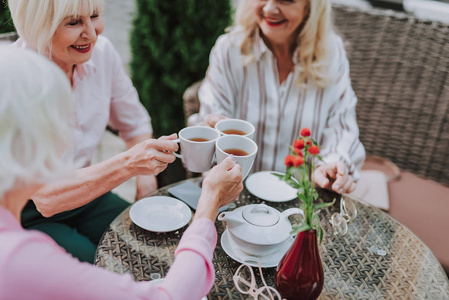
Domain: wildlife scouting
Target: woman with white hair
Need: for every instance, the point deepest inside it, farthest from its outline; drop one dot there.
(75, 212)
(282, 67)
(37, 141)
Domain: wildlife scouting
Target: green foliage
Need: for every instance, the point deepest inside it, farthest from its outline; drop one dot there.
(171, 42)
(6, 24)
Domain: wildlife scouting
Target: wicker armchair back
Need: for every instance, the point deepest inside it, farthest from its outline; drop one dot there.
(400, 73)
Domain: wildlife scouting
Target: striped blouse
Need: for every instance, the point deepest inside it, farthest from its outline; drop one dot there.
(278, 111)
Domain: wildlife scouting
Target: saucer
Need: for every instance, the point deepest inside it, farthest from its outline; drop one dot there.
(160, 213)
(267, 186)
(267, 261)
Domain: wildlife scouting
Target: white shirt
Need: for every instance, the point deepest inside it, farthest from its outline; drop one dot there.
(278, 111)
(104, 94)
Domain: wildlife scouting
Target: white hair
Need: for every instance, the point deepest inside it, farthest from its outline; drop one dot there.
(36, 21)
(36, 107)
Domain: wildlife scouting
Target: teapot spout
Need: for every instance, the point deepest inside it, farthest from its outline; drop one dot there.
(231, 218)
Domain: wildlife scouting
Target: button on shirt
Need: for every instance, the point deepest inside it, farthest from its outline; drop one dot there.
(104, 94)
(251, 91)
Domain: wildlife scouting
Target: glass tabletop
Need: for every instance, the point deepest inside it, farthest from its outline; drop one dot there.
(377, 258)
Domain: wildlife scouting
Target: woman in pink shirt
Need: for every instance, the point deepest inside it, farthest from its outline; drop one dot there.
(75, 212)
(36, 148)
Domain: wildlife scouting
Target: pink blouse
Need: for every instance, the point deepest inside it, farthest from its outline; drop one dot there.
(104, 94)
(33, 266)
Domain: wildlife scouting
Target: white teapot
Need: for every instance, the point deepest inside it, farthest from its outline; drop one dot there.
(259, 229)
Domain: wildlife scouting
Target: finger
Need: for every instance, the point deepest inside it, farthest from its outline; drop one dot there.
(339, 183)
(228, 163)
(163, 145)
(331, 170)
(236, 172)
(164, 157)
(348, 185)
(352, 188)
(341, 168)
(320, 178)
(172, 136)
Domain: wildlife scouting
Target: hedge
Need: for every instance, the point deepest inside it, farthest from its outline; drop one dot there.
(6, 24)
(170, 45)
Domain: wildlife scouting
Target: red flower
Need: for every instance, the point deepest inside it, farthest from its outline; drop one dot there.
(298, 152)
(299, 144)
(309, 142)
(314, 150)
(305, 131)
(293, 161)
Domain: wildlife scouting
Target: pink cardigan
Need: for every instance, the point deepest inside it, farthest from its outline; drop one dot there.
(33, 266)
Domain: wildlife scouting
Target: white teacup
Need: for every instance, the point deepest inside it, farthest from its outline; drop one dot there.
(197, 147)
(235, 127)
(243, 149)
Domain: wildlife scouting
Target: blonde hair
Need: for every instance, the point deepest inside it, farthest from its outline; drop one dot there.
(35, 108)
(313, 40)
(36, 21)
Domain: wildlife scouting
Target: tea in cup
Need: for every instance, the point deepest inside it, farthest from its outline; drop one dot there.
(235, 127)
(243, 149)
(197, 147)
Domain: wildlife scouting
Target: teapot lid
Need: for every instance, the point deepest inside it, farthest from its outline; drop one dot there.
(261, 215)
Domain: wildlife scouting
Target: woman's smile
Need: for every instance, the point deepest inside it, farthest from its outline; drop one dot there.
(274, 23)
(82, 48)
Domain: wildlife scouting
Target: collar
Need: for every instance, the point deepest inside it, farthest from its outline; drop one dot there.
(85, 69)
(260, 48)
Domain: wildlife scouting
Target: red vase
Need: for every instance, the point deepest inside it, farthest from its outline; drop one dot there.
(300, 272)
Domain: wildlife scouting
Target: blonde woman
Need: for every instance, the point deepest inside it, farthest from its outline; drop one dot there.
(35, 109)
(282, 67)
(75, 212)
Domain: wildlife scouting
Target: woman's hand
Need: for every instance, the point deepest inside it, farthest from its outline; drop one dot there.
(213, 119)
(151, 156)
(334, 177)
(222, 185)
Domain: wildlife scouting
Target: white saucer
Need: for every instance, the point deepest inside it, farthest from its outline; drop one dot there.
(267, 261)
(160, 213)
(267, 186)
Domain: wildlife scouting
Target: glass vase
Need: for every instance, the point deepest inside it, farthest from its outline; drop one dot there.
(299, 274)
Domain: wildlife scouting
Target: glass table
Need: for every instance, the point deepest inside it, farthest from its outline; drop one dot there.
(378, 258)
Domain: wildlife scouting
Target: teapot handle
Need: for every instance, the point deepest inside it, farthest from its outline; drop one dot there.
(292, 211)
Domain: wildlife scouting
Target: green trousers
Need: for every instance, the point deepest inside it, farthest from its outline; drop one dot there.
(78, 231)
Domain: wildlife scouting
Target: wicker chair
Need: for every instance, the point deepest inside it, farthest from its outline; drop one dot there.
(400, 73)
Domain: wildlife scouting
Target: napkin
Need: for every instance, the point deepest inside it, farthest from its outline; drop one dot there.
(372, 188)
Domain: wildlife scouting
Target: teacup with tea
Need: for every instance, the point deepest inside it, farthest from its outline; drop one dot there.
(235, 127)
(197, 147)
(243, 148)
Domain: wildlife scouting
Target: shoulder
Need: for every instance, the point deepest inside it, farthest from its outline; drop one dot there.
(229, 42)
(338, 60)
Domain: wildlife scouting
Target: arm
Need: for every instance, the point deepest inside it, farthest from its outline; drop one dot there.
(342, 151)
(220, 187)
(34, 257)
(149, 157)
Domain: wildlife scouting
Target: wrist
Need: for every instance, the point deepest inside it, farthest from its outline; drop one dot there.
(206, 209)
